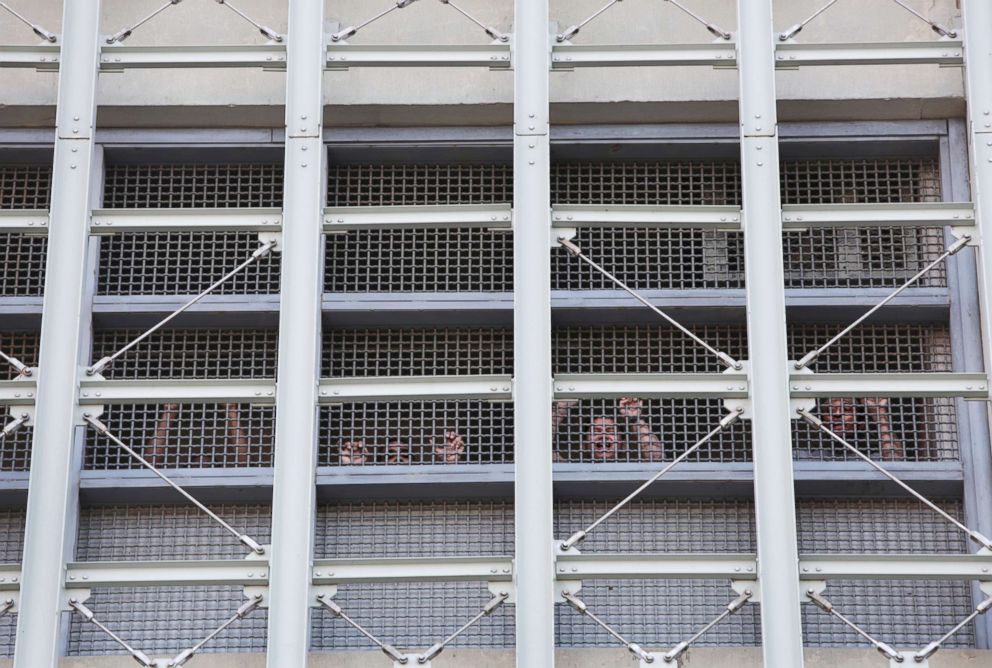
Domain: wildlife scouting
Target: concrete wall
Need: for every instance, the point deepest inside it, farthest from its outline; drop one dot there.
(420, 96)
(594, 658)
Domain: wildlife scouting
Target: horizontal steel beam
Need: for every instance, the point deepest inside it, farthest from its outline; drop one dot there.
(97, 392)
(717, 54)
(726, 218)
(201, 220)
(673, 565)
(382, 217)
(651, 386)
(967, 385)
(10, 577)
(943, 52)
(268, 56)
(895, 566)
(921, 214)
(338, 390)
(437, 569)
(342, 56)
(18, 392)
(26, 222)
(41, 57)
(166, 573)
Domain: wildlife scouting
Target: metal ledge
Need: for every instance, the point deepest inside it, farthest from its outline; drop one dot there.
(96, 392)
(338, 390)
(342, 56)
(921, 214)
(18, 392)
(166, 573)
(116, 58)
(718, 54)
(10, 577)
(41, 57)
(25, 222)
(106, 221)
(435, 569)
(675, 566)
(895, 566)
(944, 52)
(967, 385)
(346, 218)
(724, 218)
(651, 386)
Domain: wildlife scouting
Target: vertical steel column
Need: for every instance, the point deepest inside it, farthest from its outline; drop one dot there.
(50, 495)
(532, 337)
(294, 490)
(774, 496)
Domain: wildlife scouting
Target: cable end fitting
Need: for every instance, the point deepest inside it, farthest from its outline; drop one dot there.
(576, 603)
(637, 651)
(271, 34)
(944, 32)
(331, 606)
(717, 31)
(676, 651)
(731, 418)
(394, 653)
(98, 367)
(182, 658)
(926, 652)
(44, 34)
(730, 362)
(567, 34)
(980, 539)
(888, 652)
(786, 35)
(344, 34)
(809, 417)
(433, 651)
(119, 37)
(95, 423)
(250, 543)
(405, 3)
(570, 247)
(573, 540)
(807, 360)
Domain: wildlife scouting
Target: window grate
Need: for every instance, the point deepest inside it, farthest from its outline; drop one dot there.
(185, 436)
(175, 186)
(191, 353)
(683, 183)
(11, 549)
(417, 352)
(25, 186)
(22, 257)
(420, 184)
(15, 449)
(183, 263)
(416, 432)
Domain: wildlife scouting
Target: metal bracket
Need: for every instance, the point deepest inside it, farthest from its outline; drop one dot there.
(271, 238)
(253, 591)
(969, 232)
(75, 595)
(795, 405)
(24, 411)
(749, 587)
(564, 586)
(739, 405)
(509, 589)
(811, 587)
(559, 233)
(411, 660)
(908, 659)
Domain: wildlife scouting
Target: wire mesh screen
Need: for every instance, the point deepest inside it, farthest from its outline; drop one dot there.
(634, 429)
(15, 449)
(184, 263)
(903, 613)
(416, 432)
(190, 353)
(184, 436)
(22, 257)
(175, 186)
(651, 258)
(414, 615)
(417, 352)
(25, 186)
(11, 547)
(420, 184)
(164, 620)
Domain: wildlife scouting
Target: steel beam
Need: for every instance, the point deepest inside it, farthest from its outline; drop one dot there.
(651, 386)
(968, 385)
(117, 221)
(895, 567)
(51, 491)
(533, 523)
(674, 566)
(10, 577)
(118, 58)
(294, 483)
(944, 52)
(98, 392)
(723, 218)
(166, 573)
(436, 569)
(570, 56)
(916, 214)
(24, 222)
(344, 218)
(341, 56)
(40, 57)
(20, 392)
(775, 512)
(337, 390)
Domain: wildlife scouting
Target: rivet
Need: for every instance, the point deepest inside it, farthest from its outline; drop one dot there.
(807, 387)
(532, 162)
(493, 389)
(251, 574)
(72, 166)
(761, 164)
(530, 127)
(75, 118)
(493, 570)
(530, 115)
(506, 389)
(571, 388)
(574, 569)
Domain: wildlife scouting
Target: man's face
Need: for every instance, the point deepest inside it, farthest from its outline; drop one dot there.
(397, 453)
(839, 415)
(603, 441)
(353, 452)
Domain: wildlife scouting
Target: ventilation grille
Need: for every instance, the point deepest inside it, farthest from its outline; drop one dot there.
(25, 186)
(662, 183)
(11, 547)
(184, 263)
(416, 432)
(417, 352)
(185, 436)
(191, 353)
(22, 257)
(241, 185)
(387, 185)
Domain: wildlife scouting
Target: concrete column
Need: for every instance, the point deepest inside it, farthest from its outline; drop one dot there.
(774, 496)
(532, 338)
(294, 491)
(52, 491)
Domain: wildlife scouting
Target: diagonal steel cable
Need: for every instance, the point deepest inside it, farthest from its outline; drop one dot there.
(730, 609)
(89, 616)
(387, 649)
(575, 251)
(572, 31)
(246, 609)
(714, 29)
(36, 28)
(102, 364)
(941, 30)
(579, 606)
(19, 366)
(265, 30)
(6, 606)
(245, 539)
(489, 30)
(816, 422)
(579, 536)
(13, 426)
(789, 33)
(345, 33)
(932, 648)
(828, 607)
(489, 609)
(812, 355)
(124, 33)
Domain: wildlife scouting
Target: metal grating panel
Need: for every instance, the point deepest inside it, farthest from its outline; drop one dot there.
(422, 184)
(417, 352)
(882, 181)
(25, 186)
(15, 450)
(685, 183)
(416, 432)
(22, 257)
(193, 185)
(11, 548)
(185, 436)
(163, 620)
(183, 263)
(191, 353)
